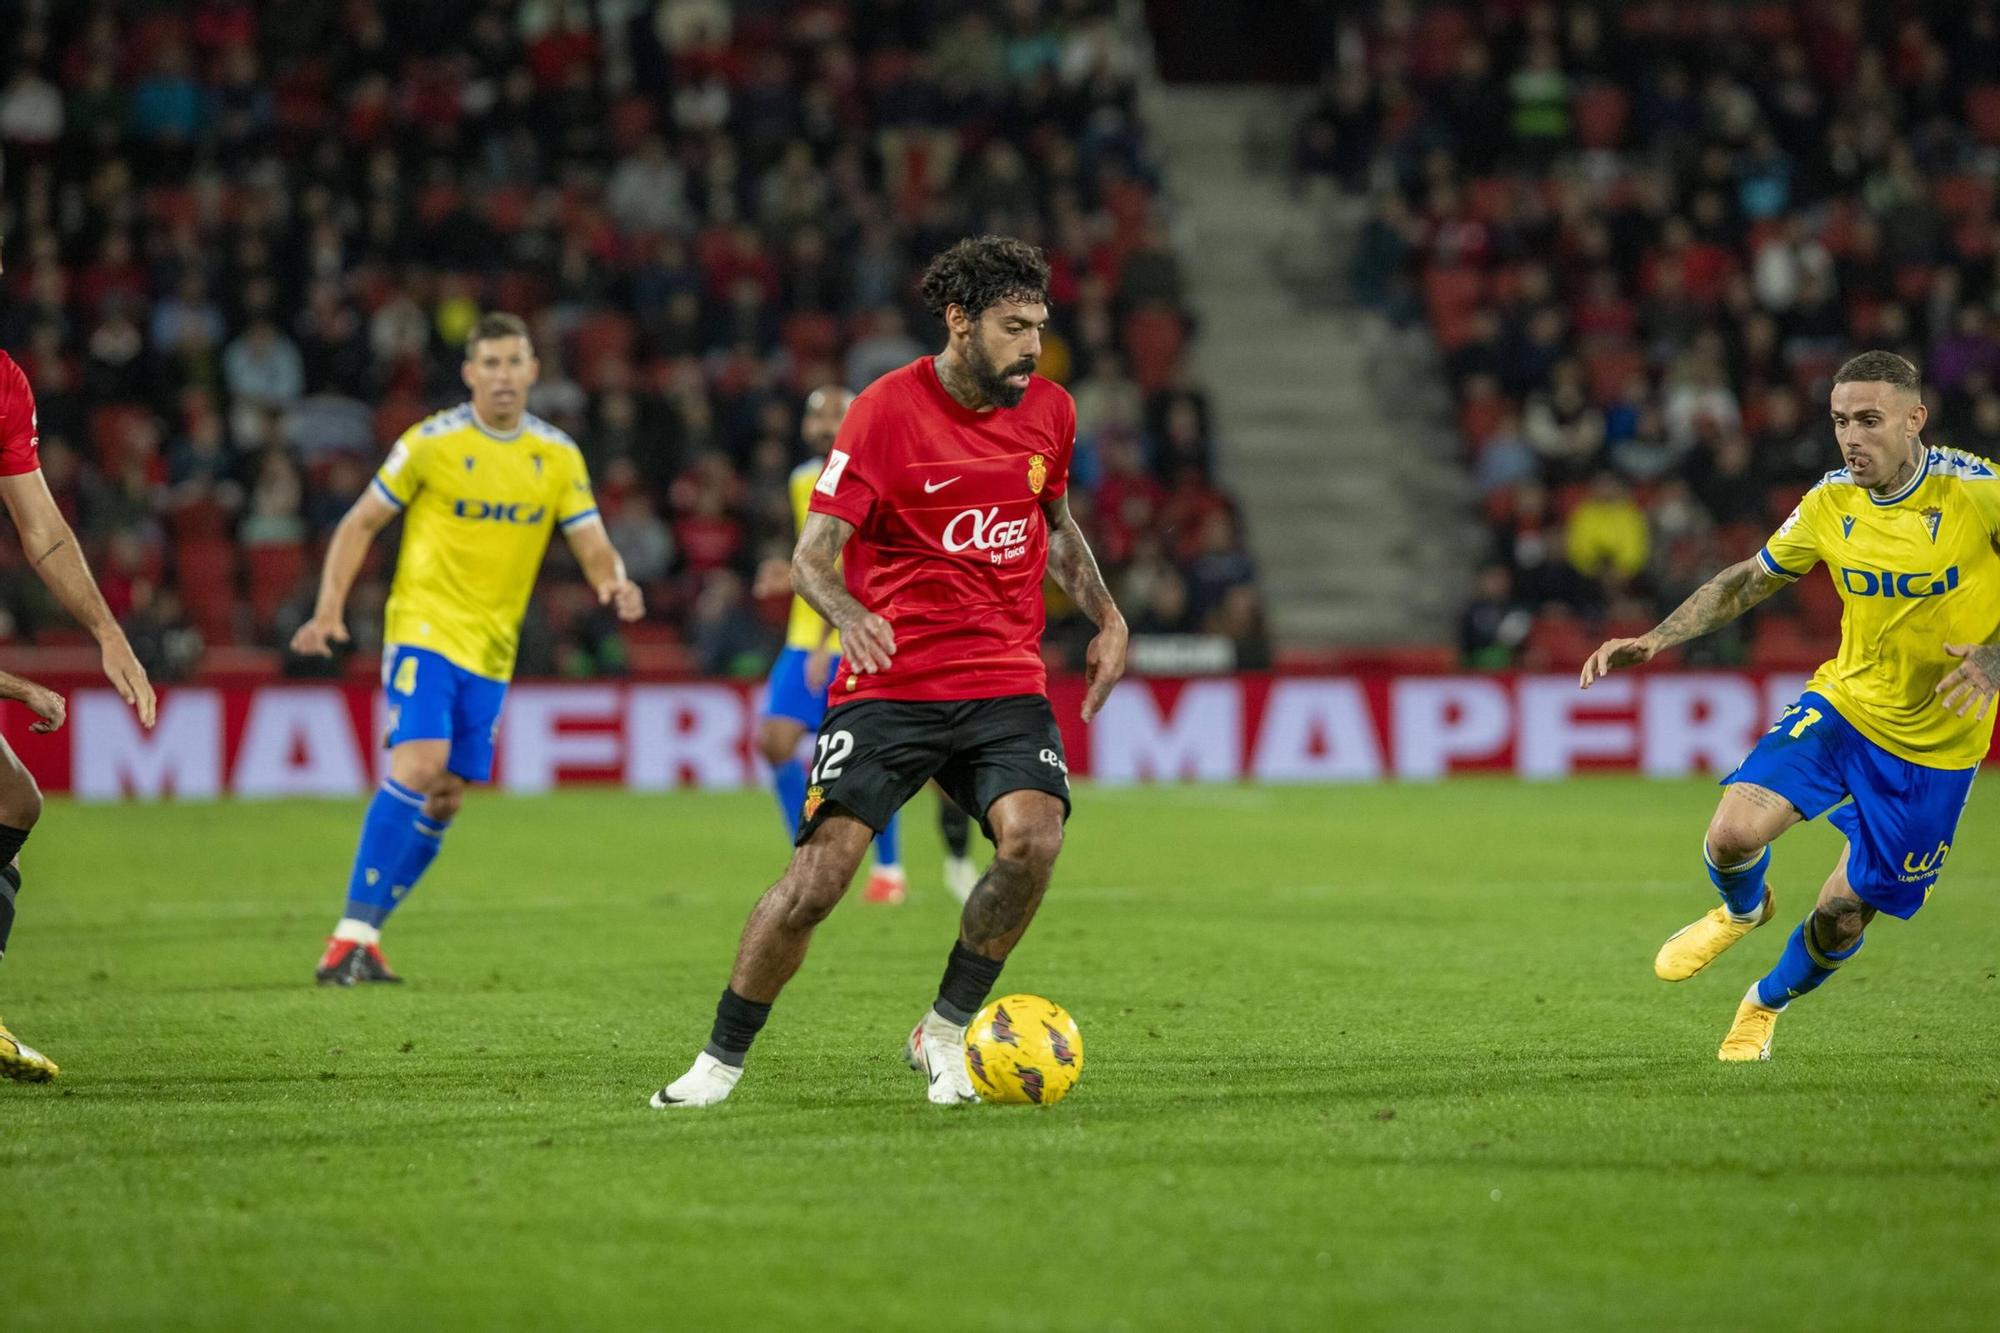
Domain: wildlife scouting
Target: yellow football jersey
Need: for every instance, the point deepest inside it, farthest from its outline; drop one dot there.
(803, 630)
(478, 510)
(1915, 571)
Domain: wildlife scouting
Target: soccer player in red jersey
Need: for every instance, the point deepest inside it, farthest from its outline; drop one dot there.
(52, 549)
(944, 501)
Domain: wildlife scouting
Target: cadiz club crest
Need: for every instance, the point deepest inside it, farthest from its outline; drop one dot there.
(1038, 472)
(814, 795)
(1932, 517)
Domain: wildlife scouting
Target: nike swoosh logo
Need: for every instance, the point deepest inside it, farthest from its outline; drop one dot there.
(932, 489)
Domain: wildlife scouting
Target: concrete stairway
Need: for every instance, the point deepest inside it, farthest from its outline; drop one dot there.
(1359, 512)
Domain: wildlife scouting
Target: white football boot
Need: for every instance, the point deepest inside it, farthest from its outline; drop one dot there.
(961, 876)
(707, 1083)
(937, 1051)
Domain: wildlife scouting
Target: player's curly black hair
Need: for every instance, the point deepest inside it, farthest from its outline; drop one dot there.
(982, 271)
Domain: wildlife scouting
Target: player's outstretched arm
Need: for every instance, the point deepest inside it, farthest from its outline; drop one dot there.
(57, 557)
(1709, 607)
(47, 706)
(344, 554)
(605, 569)
(867, 641)
(1975, 680)
(1075, 571)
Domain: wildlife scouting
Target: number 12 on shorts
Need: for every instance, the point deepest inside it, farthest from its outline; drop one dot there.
(833, 750)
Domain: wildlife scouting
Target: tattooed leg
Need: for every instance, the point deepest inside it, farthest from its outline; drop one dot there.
(1028, 832)
(1748, 820)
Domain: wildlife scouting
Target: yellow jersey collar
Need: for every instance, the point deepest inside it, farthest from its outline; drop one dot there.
(491, 433)
(1909, 488)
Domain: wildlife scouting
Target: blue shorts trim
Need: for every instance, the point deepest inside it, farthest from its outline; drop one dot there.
(432, 698)
(1901, 818)
(785, 692)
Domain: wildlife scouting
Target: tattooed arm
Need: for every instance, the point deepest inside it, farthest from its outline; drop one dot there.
(52, 549)
(1975, 680)
(1711, 606)
(866, 639)
(1074, 568)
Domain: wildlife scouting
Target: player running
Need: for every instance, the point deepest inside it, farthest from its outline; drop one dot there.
(51, 547)
(795, 696)
(949, 476)
(1908, 534)
(482, 485)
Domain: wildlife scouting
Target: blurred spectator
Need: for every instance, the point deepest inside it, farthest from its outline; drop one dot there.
(241, 260)
(729, 639)
(1607, 539)
(1493, 624)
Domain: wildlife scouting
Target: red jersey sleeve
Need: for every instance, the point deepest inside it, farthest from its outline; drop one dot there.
(20, 449)
(1058, 479)
(846, 487)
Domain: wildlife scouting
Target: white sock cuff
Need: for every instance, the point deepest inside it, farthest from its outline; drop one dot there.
(350, 928)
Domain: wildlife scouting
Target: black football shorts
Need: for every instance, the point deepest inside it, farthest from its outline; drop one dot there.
(873, 756)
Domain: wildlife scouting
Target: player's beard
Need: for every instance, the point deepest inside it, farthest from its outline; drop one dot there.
(992, 379)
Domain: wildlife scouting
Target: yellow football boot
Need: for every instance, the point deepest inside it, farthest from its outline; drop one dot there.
(23, 1063)
(1693, 947)
(1750, 1035)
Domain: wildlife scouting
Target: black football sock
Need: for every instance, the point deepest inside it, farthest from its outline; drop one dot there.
(10, 884)
(11, 839)
(956, 827)
(737, 1023)
(968, 980)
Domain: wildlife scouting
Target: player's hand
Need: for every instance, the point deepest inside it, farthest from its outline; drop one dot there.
(819, 666)
(867, 642)
(1103, 665)
(1974, 680)
(47, 706)
(774, 578)
(122, 669)
(624, 597)
(317, 636)
(1614, 654)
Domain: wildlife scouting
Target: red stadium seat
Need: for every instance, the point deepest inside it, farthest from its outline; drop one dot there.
(110, 428)
(1607, 366)
(1959, 197)
(275, 571)
(1153, 338)
(1782, 500)
(205, 573)
(1558, 641)
(1453, 291)
(1786, 643)
(1599, 111)
(1820, 606)
(1982, 112)
(810, 336)
(1491, 198)
(198, 521)
(1770, 24)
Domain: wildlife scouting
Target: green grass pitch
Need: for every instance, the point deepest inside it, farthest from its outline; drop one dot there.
(1356, 1058)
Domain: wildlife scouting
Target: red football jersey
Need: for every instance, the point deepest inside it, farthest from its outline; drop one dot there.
(950, 546)
(20, 449)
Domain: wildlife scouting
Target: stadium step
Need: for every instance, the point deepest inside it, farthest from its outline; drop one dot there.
(1356, 504)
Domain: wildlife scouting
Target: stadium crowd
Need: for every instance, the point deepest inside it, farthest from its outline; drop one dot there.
(1643, 236)
(244, 242)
